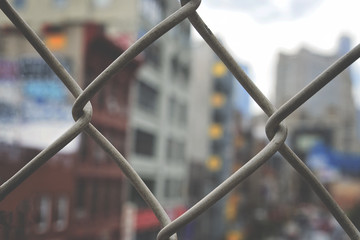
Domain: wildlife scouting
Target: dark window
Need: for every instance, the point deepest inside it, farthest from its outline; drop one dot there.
(175, 65)
(144, 143)
(217, 147)
(94, 198)
(185, 74)
(84, 146)
(147, 97)
(107, 202)
(223, 85)
(80, 195)
(135, 196)
(219, 115)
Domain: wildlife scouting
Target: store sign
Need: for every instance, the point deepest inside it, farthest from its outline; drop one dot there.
(33, 102)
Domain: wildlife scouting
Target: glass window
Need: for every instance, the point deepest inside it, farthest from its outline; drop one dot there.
(177, 112)
(219, 116)
(175, 150)
(169, 149)
(107, 203)
(172, 109)
(61, 213)
(43, 220)
(182, 118)
(185, 73)
(94, 198)
(175, 65)
(147, 97)
(80, 198)
(144, 143)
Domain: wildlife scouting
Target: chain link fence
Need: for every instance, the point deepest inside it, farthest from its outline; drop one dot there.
(275, 129)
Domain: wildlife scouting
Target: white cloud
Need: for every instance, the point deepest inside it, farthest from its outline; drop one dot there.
(258, 43)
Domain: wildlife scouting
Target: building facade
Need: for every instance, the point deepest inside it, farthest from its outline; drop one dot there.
(80, 192)
(217, 122)
(157, 130)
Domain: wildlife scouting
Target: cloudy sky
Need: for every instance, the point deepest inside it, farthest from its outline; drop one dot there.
(255, 31)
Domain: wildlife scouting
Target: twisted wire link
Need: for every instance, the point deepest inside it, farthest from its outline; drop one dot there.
(225, 187)
(275, 129)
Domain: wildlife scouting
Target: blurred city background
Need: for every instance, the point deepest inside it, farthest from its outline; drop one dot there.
(180, 118)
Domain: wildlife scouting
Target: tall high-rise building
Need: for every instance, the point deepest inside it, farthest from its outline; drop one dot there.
(328, 116)
(215, 113)
(330, 113)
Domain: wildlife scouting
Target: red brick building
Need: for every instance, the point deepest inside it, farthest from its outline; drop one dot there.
(75, 195)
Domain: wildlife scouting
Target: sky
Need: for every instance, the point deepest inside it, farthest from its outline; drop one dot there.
(255, 31)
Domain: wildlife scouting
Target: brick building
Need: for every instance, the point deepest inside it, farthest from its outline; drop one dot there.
(79, 193)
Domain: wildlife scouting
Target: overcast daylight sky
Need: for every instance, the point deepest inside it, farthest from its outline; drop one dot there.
(255, 31)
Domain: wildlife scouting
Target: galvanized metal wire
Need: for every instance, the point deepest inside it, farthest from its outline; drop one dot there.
(275, 129)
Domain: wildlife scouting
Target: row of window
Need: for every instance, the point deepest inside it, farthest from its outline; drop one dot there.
(145, 144)
(51, 212)
(41, 214)
(174, 188)
(59, 215)
(148, 100)
(97, 197)
(94, 152)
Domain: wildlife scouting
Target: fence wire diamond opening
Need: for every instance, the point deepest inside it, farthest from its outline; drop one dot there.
(275, 129)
